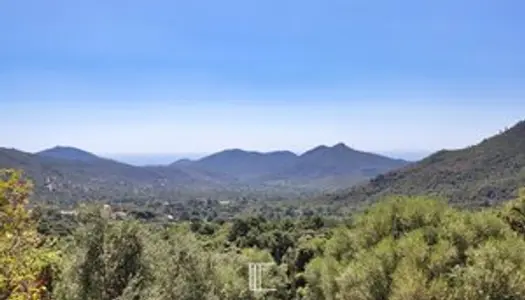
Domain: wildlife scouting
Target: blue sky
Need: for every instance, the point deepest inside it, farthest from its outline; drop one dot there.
(165, 76)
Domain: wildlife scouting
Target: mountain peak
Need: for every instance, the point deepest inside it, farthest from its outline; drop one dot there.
(234, 151)
(69, 153)
(62, 147)
(340, 146)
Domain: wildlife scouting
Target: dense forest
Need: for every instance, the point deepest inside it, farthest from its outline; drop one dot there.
(400, 248)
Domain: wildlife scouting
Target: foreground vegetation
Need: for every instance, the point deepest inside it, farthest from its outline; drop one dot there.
(400, 248)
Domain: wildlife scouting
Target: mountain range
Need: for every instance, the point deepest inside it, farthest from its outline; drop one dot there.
(68, 172)
(486, 173)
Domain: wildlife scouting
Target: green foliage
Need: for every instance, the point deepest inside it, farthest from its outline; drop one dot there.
(494, 270)
(182, 270)
(514, 213)
(401, 248)
(105, 261)
(23, 254)
(415, 248)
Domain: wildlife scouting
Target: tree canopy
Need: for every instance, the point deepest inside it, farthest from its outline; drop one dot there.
(403, 247)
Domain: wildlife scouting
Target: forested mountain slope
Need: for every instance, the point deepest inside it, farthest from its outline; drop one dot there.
(488, 172)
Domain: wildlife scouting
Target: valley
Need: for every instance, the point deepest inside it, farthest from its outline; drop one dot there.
(70, 174)
(330, 181)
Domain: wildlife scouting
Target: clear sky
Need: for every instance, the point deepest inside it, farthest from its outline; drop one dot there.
(169, 76)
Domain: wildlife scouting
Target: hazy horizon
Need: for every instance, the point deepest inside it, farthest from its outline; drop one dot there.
(141, 159)
(163, 159)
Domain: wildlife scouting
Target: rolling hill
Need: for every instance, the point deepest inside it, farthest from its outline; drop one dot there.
(339, 161)
(322, 167)
(69, 153)
(74, 174)
(244, 164)
(70, 173)
(483, 174)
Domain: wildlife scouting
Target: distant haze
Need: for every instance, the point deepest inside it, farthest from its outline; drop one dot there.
(164, 159)
(408, 155)
(152, 159)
